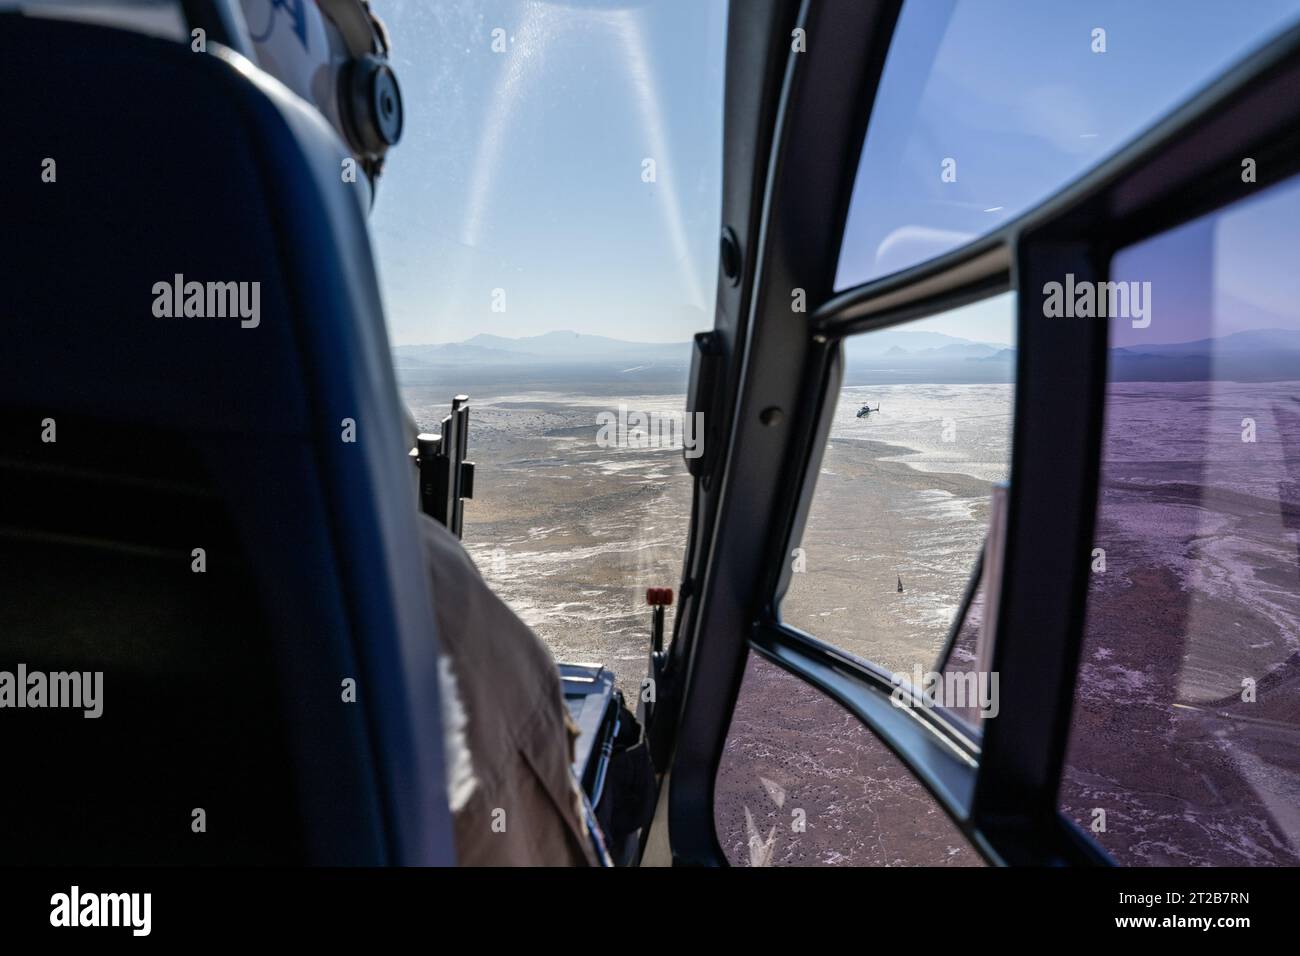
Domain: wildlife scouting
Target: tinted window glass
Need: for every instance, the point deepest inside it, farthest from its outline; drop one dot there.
(1186, 737)
(803, 783)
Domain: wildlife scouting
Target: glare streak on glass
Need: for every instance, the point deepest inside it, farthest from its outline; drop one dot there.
(523, 166)
(547, 242)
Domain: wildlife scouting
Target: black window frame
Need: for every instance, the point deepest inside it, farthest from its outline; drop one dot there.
(1002, 791)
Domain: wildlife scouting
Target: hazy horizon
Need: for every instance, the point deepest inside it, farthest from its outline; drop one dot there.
(1189, 336)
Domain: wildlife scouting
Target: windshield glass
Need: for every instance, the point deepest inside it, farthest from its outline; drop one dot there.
(546, 235)
(566, 153)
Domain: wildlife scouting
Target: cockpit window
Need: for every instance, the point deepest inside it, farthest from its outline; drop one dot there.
(547, 241)
(560, 169)
(985, 109)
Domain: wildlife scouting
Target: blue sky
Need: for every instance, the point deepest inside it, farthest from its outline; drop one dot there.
(522, 170)
(1014, 93)
(1231, 271)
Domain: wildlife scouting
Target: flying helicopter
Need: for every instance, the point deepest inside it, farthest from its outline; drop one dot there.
(866, 410)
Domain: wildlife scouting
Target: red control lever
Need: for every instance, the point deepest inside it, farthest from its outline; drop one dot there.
(658, 597)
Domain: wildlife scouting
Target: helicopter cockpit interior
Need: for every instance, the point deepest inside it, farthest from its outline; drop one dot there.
(262, 315)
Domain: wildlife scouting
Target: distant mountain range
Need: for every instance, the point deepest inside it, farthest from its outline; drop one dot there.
(907, 341)
(573, 348)
(1262, 355)
(896, 356)
(888, 356)
(553, 348)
